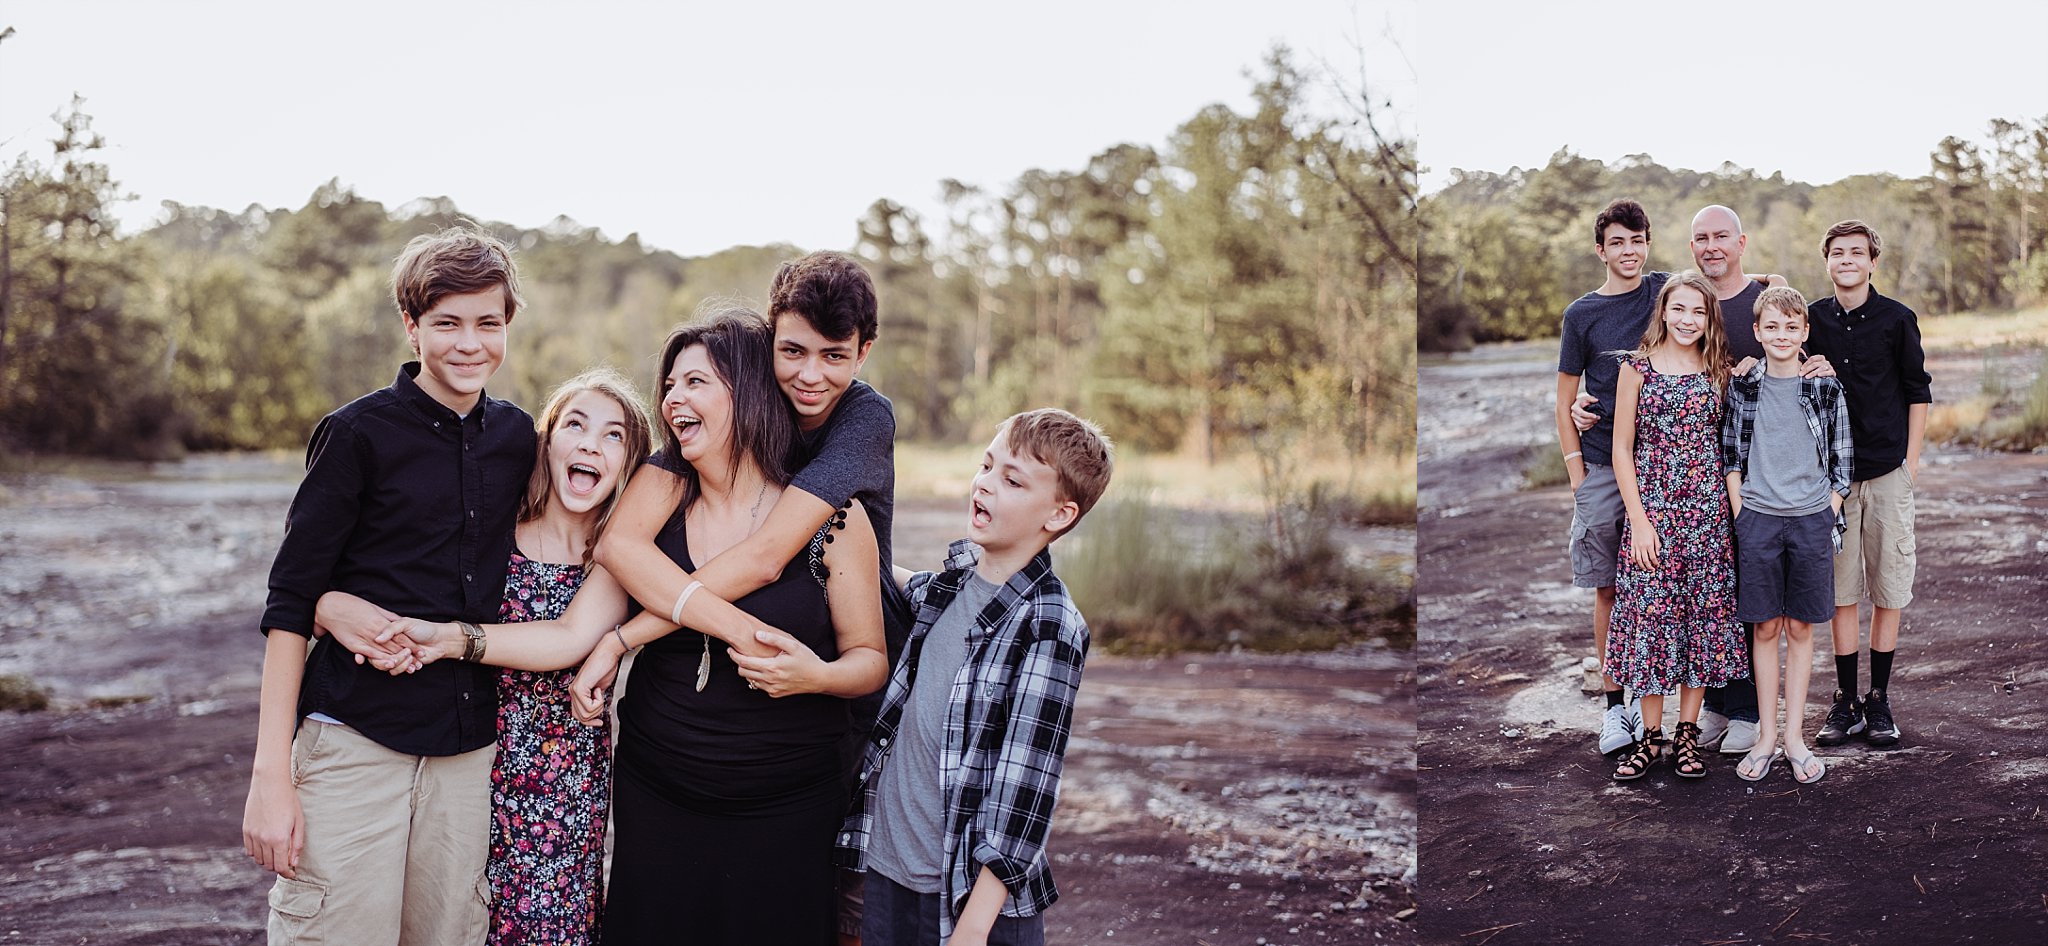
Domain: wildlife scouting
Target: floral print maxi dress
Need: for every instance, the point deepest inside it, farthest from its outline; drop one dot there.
(1675, 625)
(550, 787)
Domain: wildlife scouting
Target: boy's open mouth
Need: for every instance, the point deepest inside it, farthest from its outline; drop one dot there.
(978, 513)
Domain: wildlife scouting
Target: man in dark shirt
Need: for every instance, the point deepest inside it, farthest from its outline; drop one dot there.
(374, 813)
(1874, 342)
(1729, 717)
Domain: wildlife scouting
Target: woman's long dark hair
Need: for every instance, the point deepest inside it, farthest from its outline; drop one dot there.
(739, 343)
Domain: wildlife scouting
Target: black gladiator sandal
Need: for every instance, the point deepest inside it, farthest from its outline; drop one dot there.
(1686, 759)
(1640, 755)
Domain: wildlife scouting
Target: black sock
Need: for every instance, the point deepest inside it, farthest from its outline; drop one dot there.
(1845, 673)
(1881, 668)
(1614, 697)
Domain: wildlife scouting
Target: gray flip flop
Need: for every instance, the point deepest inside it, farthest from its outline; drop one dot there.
(1798, 766)
(1747, 760)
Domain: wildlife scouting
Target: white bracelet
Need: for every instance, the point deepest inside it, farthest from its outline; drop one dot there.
(1575, 453)
(675, 617)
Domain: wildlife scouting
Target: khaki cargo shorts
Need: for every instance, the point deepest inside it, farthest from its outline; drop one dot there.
(1877, 557)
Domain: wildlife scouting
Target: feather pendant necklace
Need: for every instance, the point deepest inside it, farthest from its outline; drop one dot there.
(753, 523)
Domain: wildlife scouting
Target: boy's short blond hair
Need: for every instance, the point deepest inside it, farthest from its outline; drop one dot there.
(456, 261)
(1076, 449)
(1782, 298)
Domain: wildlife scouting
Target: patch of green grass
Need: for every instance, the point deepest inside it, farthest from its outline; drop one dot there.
(1155, 579)
(1544, 467)
(21, 693)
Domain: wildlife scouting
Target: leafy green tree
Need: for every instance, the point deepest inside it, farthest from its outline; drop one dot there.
(75, 364)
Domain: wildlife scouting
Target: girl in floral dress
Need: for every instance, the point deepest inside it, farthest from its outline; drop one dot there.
(551, 783)
(1674, 621)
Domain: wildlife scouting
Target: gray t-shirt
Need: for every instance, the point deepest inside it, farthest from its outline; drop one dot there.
(908, 846)
(1738, 318)
(1785, 477)
(1596, 326)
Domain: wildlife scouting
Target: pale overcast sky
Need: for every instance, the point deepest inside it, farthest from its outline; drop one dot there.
(1817, 90)
(700, 126)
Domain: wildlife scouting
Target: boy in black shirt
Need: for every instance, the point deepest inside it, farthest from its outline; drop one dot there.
(375, 812)
(1874, 343)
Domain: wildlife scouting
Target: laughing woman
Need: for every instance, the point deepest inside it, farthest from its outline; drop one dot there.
(729, 786)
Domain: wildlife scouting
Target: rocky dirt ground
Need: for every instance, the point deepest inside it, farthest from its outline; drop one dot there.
(1524, 838)
(1231, 798)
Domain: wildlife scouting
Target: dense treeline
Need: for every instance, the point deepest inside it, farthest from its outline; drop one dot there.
(1254, 275)
(1502, 254)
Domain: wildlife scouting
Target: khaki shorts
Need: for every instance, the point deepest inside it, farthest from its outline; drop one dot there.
(1877, 557)
(395, 844)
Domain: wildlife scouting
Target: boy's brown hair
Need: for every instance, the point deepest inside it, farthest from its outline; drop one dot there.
(830, 290)
(1624, 211)
(1782, 298)
(1851, 228)
(1076, 449)
(453, 262)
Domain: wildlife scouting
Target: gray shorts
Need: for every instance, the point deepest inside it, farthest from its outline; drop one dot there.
(1785, 566)
(1597, 515)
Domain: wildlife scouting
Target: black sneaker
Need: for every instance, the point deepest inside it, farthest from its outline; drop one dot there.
(1877, 709)
(1845, 719)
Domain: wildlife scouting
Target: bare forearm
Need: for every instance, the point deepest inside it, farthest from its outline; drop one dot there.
(1568, 432)
(983, 905)
(1916, 429)
(857, 672)
(277, 713)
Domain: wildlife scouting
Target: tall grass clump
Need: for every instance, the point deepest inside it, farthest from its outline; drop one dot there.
(2029, 430)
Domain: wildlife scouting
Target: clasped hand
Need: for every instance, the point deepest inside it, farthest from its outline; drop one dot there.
(792, 668)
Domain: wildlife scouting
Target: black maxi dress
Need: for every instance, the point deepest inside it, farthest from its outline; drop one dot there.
(725, 801)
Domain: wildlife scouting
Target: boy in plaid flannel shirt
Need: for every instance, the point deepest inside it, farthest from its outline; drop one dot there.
(1785, 447)
(963, 767)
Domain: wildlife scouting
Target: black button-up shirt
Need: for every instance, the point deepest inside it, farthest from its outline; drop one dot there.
(1876, 353)
(412, 508)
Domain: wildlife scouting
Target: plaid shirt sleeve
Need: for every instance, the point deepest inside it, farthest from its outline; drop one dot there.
(1844, 461)
(1009, 829)
(1734, 429)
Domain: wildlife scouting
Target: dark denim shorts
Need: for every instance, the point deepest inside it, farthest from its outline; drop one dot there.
(1786, 567)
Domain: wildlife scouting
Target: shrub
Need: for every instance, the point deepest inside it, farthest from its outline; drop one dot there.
(22, 693)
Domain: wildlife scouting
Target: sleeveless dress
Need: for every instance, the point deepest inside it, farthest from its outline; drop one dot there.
(1675, 625)
(726, 800)
(549, 786)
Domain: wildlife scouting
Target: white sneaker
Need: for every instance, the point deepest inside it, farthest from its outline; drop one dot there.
(1714, 726)
(1620, 726)
(1740, 739)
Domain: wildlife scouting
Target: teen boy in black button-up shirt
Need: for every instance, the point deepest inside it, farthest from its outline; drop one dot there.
(1874, 344)
(374, 810)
